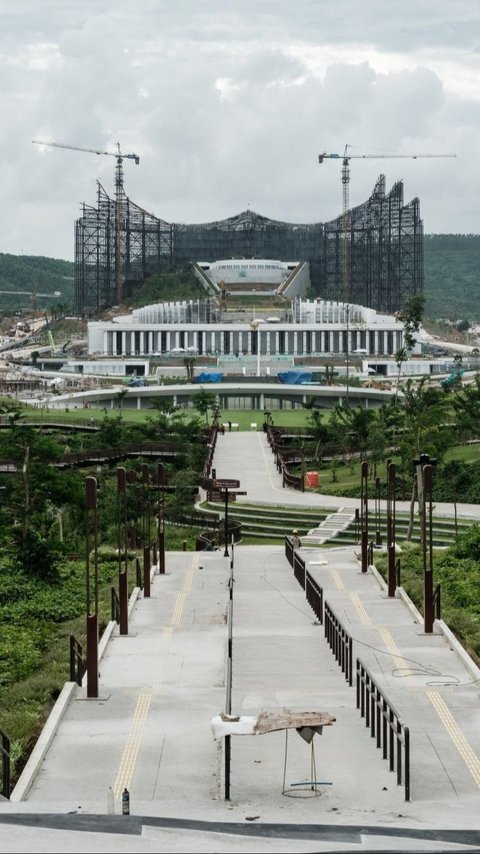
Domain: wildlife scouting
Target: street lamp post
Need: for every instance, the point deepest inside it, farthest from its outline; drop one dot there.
(391, 486)
(92, 616)
(226, 552)
(364, 515)
(424, 465)
(161, 518)
(122, 548)
(254, 324)
(378, 534)
(147, 508)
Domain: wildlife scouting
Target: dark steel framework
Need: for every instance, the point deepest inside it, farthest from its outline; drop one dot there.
(385, 237)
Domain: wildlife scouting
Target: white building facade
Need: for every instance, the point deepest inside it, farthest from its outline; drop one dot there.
(313, 328)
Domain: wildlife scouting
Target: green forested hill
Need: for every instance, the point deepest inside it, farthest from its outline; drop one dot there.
(452, 276)
(36, 275)
(452, 280)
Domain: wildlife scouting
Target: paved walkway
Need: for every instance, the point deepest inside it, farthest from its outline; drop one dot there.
(160, 686)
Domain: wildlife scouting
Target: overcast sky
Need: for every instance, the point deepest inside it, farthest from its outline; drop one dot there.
(228, 104)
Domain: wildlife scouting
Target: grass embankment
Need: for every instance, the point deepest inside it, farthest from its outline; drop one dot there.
(457, 570)
(37, 619)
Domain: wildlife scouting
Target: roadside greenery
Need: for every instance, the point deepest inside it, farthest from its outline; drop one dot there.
(42, 518)
(457, 570)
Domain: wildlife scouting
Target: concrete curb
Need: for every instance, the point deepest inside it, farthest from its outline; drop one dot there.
(44, 741)
(39, 751)
(439, 625)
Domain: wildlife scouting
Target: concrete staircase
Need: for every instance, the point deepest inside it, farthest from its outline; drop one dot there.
(329, 528)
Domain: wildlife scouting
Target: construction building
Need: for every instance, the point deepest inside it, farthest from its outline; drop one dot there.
(385, 249)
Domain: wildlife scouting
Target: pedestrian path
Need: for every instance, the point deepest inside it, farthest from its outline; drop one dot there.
(248, 457)
(150, 732)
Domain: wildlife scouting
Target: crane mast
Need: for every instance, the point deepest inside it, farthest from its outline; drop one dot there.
(119, 203)
(345, 158)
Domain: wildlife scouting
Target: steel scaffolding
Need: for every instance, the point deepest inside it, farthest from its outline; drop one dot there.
(386, 249)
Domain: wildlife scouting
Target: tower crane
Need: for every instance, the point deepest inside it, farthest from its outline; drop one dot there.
(345, 158)
(119, 199)
(33, 295)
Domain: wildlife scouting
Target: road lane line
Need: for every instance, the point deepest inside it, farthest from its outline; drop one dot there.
(468, 755)
(130, 753)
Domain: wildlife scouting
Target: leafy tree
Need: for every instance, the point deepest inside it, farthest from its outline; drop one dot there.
(320, 432)
(189, 362)
(203, 401)
(411, 317)
(425, 428)
(466, 406)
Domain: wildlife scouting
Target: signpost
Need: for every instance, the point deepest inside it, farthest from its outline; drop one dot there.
(224, 488)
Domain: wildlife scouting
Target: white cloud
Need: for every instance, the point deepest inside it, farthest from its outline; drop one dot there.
(228, 104)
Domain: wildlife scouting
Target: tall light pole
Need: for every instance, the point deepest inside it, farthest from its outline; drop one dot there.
(226, 552)
(161, 519)
(92, 615)
(254, 324)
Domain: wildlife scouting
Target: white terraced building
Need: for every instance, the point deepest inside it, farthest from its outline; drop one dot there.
(310, 327)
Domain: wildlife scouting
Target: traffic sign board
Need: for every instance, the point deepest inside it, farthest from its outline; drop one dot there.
(222, 483)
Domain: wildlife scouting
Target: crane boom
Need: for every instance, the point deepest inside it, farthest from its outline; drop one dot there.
(345, 158)
(321, 157)
(134, 157)
(119, 203)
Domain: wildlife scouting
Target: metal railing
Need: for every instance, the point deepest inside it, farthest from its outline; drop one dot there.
(77, 663)
(229, 681)
(314, 594)
(386, 726)
(5, 754)
(299, 569)
(437, 603)
(295, 561)
(340, 642)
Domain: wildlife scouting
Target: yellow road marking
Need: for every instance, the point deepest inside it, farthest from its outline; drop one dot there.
(267, 467)
(469, 757)
(337, 580)
(360, 608)
(395, 652)
(180, 600)
(130, 753)
(177, 611)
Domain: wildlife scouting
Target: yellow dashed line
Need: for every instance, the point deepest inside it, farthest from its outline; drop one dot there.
(395, 652)
(469, 757)
(267, 467)
(360, 608)
(130, 753)
(189, 579)
(337, 580)
(177, 611)
(129, 758)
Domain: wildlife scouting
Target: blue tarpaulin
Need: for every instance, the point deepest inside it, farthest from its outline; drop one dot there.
(209, 378)
(295, 377)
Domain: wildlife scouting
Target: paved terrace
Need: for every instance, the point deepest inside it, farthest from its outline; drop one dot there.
(160, 686)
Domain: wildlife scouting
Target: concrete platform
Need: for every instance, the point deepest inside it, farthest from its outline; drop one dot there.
(149, 730)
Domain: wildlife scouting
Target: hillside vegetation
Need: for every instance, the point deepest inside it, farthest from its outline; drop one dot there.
(452, 276)
(452, 280)
(32, 273)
